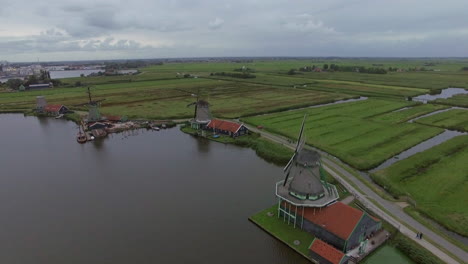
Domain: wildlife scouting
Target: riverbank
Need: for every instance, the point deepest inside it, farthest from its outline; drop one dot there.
(268, 150)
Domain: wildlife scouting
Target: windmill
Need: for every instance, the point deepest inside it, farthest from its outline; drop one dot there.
(93, 108)
(308, 178)
(201, 114)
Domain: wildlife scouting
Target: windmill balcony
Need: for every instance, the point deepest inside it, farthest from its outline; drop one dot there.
(283, 192)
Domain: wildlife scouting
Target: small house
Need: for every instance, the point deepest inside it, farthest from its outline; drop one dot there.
(232, 129)
(326, 254)
(55, 110)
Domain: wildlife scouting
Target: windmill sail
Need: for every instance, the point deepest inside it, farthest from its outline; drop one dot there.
(299, 147)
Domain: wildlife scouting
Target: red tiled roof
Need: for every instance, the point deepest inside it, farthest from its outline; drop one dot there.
(224, 125)
(326, 251)
(338, 218)
(52, 108)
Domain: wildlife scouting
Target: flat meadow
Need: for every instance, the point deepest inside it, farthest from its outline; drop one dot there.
(348, 130)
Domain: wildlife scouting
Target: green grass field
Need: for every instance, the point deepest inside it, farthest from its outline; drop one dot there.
(437, 180)
(282, 231)
(387, 254)
(456, 119)
(403, 115)
(348, 130)
(164, 99)
(457, 100)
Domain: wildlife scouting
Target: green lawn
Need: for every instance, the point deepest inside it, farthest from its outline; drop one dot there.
(456, 119)
(387, 254)
(349, 132)
(437, 180)
(164, 99)
(282, 231)
(406, 114)
(457, 100)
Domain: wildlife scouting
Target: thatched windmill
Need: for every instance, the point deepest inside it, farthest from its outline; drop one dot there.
(305, 168)
(201, 114)
(93, 108)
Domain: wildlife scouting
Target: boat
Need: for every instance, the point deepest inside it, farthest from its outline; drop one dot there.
(163, 126)
(59, 116)
(81, 136)
(155, 128)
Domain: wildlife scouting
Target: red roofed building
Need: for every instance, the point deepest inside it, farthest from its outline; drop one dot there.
(326, 254)
(227, 127)
(55, 109)
(338, 224)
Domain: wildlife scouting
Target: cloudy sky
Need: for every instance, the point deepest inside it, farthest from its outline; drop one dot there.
(51, 30)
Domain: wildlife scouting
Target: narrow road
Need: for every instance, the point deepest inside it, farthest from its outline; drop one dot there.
(398, 217)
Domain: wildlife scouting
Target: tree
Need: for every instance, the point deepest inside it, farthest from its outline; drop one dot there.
(82, 75)
(292, 71)
(325, 66)
(78, 83)
(14, 83)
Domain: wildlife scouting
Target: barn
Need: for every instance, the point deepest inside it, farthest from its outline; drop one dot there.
(55, 110)
(232, 129)
(338, 224)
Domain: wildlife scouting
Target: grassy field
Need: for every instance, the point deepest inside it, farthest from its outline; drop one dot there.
(405, 114)
(282, 231)
(348, 130)
(163, 99)
(387, 255)
(457, 100)
(456, 119)
(436, 180)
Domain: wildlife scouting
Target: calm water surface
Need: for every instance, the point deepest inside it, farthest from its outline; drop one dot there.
(155, 197)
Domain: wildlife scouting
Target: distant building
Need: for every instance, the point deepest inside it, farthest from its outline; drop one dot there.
(40, 86)
(55, 110)
(227, 127)
(41, 103)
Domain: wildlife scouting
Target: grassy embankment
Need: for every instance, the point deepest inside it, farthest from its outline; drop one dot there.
(348, 131)
(456, 119)
(436, 180)
(264, 148)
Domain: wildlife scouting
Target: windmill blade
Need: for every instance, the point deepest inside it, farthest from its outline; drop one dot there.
(286, 178)
(289, 163)
(300, 142)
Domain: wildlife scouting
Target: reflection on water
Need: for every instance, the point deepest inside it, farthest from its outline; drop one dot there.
(425, 145)
(142, 197)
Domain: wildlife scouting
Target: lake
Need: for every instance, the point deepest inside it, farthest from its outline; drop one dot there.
(71, 74)
(141, 197)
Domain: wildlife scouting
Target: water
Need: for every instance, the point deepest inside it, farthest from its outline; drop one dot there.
(425, 145)
(153, 197)
(434, 113)
(444, 94)
(71, 74)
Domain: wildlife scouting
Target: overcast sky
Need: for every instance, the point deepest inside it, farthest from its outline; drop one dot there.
(51, 30)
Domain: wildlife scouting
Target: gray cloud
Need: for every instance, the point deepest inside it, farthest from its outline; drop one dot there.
(177, 28)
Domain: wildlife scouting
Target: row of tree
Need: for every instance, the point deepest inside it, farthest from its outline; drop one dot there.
(43, 77)
(243, 75)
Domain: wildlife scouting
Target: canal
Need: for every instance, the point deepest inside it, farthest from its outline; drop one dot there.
(142, 197)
